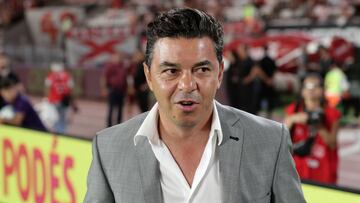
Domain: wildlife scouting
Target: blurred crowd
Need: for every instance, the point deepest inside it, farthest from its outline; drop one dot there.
(253, 16)
(51, 115)
(318, 11)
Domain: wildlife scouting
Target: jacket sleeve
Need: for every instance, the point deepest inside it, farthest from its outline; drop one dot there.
(98, 189)
(286, 184)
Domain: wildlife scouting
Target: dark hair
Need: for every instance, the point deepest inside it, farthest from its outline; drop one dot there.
(184, 22)
(300, 100)
(313, 75)
(7, 82)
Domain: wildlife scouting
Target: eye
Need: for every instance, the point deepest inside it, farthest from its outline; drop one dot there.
(203, 70)
(170, 71)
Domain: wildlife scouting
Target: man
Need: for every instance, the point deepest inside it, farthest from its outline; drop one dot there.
(140, 84)
(248, 94)
(113, 85)
(266, 75)
(314, 127)
(59, 85)
(5, 72)
(189, 148)
(22, 112)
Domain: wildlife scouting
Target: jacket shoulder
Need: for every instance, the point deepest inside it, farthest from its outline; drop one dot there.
(121, 133)
(248, 120)
(256, 128)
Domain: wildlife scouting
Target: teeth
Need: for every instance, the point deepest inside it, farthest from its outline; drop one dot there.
(186, 103)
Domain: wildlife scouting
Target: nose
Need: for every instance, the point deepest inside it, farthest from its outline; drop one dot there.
(187, 82)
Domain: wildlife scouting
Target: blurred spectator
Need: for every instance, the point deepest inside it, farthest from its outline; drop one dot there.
(130, 96)
(245, 90)
(233, 78)
(295, 9)
(18, 110)
(343, 11)
(319, 11)
(322, 12)
(141, 87)
(322, 66)
(5, 72)
(313, 127)
(114, 85)
(240, 80)
(266, 75)
(325, 61)
(302, 61)
(336, 85)
(59, 85)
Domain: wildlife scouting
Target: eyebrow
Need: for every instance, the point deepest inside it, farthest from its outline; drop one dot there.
(203, 63)
(168, 64)
(176, 65)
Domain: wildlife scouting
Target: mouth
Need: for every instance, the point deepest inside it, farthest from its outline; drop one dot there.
(187, 102)
(187, 105)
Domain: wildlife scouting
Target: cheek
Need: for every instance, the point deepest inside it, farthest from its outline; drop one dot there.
(164, 86)
(210, 87)
(303, 93)
(164, 89)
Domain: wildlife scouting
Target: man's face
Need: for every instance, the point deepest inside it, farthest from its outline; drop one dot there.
(184, 76)
(9, 94)
(312, 89)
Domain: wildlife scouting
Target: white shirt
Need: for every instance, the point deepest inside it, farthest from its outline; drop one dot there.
(206, 186)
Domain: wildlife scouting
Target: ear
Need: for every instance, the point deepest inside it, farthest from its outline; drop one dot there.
(147, 75)
(221, 74)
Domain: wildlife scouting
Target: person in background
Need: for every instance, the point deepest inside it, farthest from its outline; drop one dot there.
(141, 87)
(20, 111)
(233, 79)
(266, 75)
(59, 85)
(314, 126)
(130, 107)
(247, 77)
(325, 61)
(113, 85)
(257, 80)
(6, 72)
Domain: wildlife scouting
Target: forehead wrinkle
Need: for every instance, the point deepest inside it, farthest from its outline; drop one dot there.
(203, 63)
(168, 50)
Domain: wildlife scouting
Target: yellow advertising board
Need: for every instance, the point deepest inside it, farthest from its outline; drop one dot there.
(318, 194)
(37, 167)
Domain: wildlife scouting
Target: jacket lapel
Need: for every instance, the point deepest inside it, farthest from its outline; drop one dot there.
(149, 172)
(230, 152)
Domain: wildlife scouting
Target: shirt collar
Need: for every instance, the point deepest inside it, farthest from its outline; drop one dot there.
(149, 126)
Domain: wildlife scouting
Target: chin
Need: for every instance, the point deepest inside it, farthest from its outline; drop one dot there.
(186, 123)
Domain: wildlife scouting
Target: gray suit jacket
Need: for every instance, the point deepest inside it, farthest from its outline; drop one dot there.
(255, 163)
